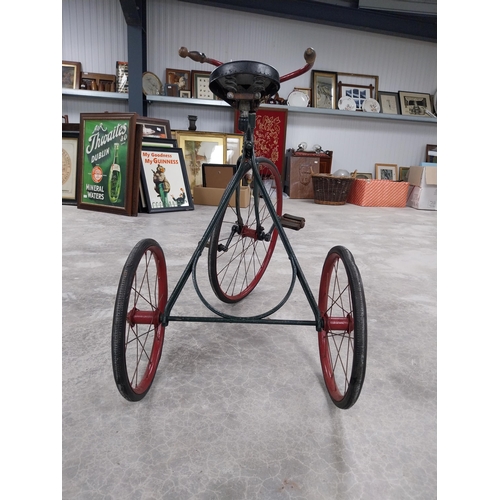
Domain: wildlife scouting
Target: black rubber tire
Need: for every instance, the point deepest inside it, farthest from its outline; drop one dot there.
(137, 333)
(342, 346)
(235, 273)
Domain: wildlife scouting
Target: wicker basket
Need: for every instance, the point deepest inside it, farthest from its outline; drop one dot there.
(331, 190)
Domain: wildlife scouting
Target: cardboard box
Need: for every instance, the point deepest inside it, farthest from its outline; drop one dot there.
(378, 193)
(211, 196)
(422, 194)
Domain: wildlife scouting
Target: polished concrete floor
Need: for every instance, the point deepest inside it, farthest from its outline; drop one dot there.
(241, 412)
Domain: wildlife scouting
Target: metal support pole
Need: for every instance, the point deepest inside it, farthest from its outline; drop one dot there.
(134, 12)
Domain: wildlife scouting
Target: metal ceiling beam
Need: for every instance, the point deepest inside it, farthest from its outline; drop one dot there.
(388, 23)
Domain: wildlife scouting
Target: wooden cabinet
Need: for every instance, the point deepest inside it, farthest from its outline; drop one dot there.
(300, 165)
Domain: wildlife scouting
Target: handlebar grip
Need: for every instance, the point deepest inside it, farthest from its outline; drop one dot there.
(194, 55)
(310, 56)
(197, 56)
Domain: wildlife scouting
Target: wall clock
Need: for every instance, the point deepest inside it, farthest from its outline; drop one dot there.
(151, 84)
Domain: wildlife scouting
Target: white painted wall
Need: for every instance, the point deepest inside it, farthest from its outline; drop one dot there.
(95, 33)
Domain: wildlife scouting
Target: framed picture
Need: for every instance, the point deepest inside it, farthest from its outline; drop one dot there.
(359, 87)
(160, 142)
(414, 103)
(386, 172)
(324, 89)
(108, 163)
(431, 153)
(217, 176)
(164, 180)
(156, 142)
(269, 134)
(199, 85)
(69, 165)
(71, 72)
(186, 94)
(122, 77)
(151, 127)
(199, 148)
(389, 103)
(98, 81)
(363, 175)
(234, 146)
(404, 172)
(179, 77)
(171, 90)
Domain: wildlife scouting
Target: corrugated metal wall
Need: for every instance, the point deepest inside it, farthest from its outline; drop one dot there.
(94, 33)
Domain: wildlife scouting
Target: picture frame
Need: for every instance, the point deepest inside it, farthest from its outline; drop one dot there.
(179, 77)
(154, 128)
(389, 103)
(185, 94)
(234, 146)
(217, 175)
(199, 148)
(324, 89)
(70, 145)
(403, 174)
(172, 90)
(102, 82)
(414, 103)
(164, 180)
(358, 86)
(364, 175)
(108, 170)
(431, 153)
(122, 77)
(386, 171)
(200, 85)
(160, 142)
(71, 73)
(269, 134)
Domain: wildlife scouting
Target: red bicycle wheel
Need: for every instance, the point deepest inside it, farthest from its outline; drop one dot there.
(137, 333)
(342, 341)
(239, 251)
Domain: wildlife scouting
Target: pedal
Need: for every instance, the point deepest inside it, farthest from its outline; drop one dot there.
(292, 222)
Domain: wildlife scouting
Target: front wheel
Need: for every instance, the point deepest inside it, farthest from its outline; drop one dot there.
(342, 341)
(137, 333)
(244, 239)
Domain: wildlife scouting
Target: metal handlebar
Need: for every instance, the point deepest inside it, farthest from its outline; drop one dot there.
(309, 56)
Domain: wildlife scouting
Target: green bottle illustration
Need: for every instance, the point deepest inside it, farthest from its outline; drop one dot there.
(115, 178)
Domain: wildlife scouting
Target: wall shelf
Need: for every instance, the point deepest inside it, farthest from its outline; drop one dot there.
(218, 103)
(95, 94)
(293, 109)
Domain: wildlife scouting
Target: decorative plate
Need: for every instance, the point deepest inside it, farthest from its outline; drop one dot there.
(347, 104)
(298, 98)
(371, 106)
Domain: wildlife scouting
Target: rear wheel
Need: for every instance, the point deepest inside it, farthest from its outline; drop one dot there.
(241, 246)
(342, 341)
(137, 333)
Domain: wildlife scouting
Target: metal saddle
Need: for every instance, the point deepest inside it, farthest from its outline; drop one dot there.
(244, 81)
